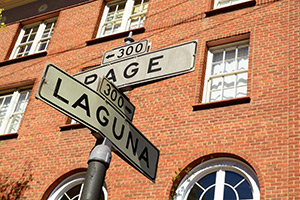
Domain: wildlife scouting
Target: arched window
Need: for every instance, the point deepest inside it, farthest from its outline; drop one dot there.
(71, 188)
(219, 179)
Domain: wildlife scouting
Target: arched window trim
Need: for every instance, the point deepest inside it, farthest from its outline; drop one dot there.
(68, 183)
(214, 165)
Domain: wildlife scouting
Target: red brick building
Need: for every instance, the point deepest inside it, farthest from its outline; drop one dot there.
(228, 129)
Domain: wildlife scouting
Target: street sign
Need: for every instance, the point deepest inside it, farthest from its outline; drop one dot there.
(125, 51)
(73, 98)
(143, 68)
(117, 98)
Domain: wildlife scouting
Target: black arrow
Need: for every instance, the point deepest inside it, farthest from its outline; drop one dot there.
(109, 56)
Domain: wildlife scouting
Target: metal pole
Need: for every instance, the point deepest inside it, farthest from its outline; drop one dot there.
(98, 162)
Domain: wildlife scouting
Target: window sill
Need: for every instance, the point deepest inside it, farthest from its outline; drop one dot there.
(8, 136)
(71, 127)
(222, 103)
(24, 58)
(230, 8)
(115, 36)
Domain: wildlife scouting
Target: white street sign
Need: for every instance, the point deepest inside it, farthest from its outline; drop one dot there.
(125, 51)
(78, 101)
(117, 98)
(143, 68)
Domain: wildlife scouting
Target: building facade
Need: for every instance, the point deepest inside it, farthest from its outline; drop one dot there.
(227, 129)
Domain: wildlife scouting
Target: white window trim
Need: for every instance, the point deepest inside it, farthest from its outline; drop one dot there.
(38, 38)
(68, 183)
(206, 89)
(10, 110)
(230, 2)
(125, 19)
(220, 165)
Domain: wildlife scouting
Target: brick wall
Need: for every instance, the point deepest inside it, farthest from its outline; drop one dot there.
(264, 132)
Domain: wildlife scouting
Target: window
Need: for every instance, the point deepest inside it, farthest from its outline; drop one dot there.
(71, 188)
(227, 72)
(122, 16)
(34, 38)
(224, 3)
(12, 108)
(220, 178)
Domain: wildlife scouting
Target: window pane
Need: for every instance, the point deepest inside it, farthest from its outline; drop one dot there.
(215, 95)
(31, 38)
(229, 81)
(27, 49)
(242, 79)
(115, 12)
(195, 193)
(243, 52)
(216, 83)
(209, 195)
(24, 50)
(244, 190)
(243, 64)
(229, 66)
(24, 39)
(230, 55)
(7, 101)
(116, 27)
(74, 191)
(229, 193)
(108, 29)
(217, 57)
(22, 102)
(208, 180)
(241, 91)
(229, 93)
(134, 22)
(217, 69)
(232, 178)
(4, 107)
(14, 124)
(43, 45)
(139, 7)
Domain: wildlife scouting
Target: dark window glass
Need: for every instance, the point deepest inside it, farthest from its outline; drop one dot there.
(208, 180)
(229, 193)
(195, 193)
(244, 190)
(74, 191)
(232, 178)
(210, 194)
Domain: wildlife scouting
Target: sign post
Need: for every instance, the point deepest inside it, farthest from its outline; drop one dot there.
(98, 162)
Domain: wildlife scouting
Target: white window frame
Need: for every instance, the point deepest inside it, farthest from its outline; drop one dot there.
(10, 113)
(218, 165)
(125, 24)
(35, 44)
(70, 182)
(218, 3)
(211, 51)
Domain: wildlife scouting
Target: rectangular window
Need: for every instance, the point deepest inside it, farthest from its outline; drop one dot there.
(227, 72)
(12, 108)
(34, 38)
(122, 16)
(224, 3)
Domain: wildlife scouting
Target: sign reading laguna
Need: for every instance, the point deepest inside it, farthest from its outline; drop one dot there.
(96, 112)
(142, 68)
